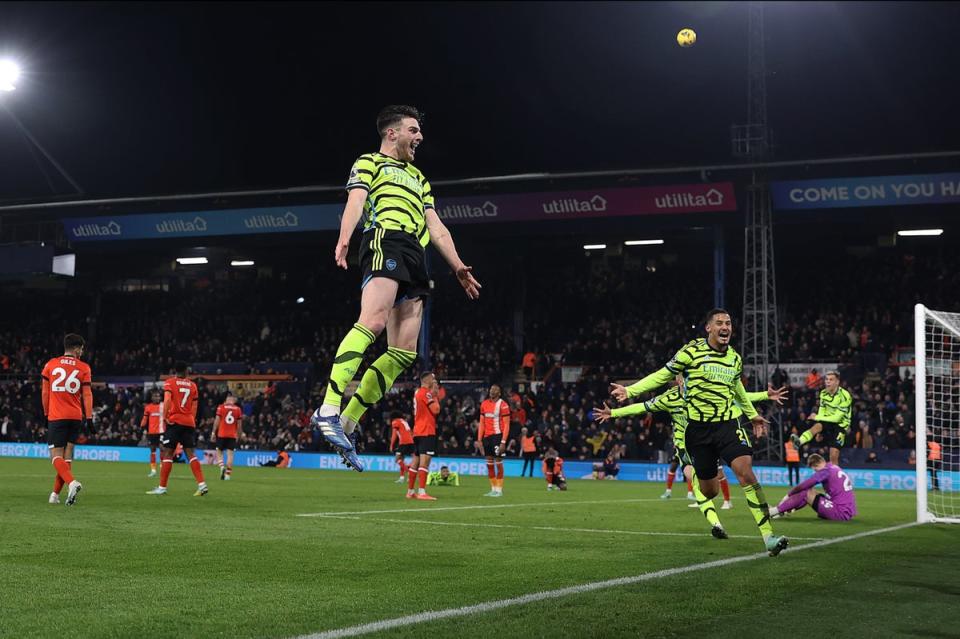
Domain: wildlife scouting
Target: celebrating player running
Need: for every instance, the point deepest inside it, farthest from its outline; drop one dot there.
(396, 204)
(715, 401)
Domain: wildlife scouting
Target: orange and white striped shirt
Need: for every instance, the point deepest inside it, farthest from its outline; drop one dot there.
(494, 418)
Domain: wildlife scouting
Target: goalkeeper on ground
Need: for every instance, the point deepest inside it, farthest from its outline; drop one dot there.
(443, 478)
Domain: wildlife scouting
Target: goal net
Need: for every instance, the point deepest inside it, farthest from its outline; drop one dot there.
(937, 392)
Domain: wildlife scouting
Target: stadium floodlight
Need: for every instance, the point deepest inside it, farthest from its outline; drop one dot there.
(9, 74)
(920, 232)
(591, 247)
(642, 242)
(241, 263)
(300, 300)
(186, 261)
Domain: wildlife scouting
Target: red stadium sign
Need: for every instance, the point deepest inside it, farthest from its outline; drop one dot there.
(715, 197)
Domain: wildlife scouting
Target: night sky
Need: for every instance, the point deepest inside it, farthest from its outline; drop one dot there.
(138, 99)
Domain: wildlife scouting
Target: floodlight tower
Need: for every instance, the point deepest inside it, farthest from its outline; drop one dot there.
(760, 341)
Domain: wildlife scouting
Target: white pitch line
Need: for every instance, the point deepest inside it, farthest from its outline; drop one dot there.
(602, 531)
(433, 510)
(434, 615)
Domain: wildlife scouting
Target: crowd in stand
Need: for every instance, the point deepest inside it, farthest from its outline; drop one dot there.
(617, 326)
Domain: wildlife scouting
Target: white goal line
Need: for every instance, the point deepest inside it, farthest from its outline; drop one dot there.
(434, 615)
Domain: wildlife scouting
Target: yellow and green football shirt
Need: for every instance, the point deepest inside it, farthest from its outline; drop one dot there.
(671, 402)
(397, 195)
(713, 391)
(835, 408)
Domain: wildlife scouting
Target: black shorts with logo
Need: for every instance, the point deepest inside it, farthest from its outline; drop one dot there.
(398, 256)
(175, 434)
(490, 444)
(833, 435)
(426, 445)
(405, 449)
(226, 443)
(708, 443)
(153, 440)
(62, 432)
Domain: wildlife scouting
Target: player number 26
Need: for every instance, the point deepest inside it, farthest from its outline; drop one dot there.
(64, 384)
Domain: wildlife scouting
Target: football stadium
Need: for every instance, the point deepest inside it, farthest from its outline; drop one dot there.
(479, 319)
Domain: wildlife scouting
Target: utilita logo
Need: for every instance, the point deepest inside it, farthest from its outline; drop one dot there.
(97, 230)
(468, 211)
(713, 197)
(197, 225)
(596, 204)
(287, 220)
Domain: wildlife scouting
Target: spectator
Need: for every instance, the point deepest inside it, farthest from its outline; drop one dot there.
(610, 468)
(528, 450)
(529, 364)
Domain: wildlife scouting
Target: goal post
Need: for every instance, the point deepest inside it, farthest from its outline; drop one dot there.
(937, 396)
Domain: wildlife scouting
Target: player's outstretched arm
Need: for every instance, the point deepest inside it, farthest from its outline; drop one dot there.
(651, 382)
(607, 413)
(771, 394)
(352, 213)
(443, 241)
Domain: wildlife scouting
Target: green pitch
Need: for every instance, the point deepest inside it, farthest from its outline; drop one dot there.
(240, 562)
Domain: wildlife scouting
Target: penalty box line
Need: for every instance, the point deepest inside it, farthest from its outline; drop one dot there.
(435, 615)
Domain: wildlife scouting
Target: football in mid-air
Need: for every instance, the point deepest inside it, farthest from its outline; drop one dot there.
(686, 37)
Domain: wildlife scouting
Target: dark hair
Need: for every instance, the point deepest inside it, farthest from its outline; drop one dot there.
(180, 368)
(390, 116)
(71, 341)
(395, 414)
(424, 375)
(550, 462)
(712, 312)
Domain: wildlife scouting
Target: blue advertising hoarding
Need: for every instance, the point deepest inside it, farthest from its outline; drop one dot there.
(886, 190)
(880, 478)
(273, 219)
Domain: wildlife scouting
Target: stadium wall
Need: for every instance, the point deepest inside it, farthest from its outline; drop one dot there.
(876, 478)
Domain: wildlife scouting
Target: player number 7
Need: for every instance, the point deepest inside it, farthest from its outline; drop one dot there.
(186, 394)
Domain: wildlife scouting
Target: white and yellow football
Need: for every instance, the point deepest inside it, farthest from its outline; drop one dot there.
(686, 37)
